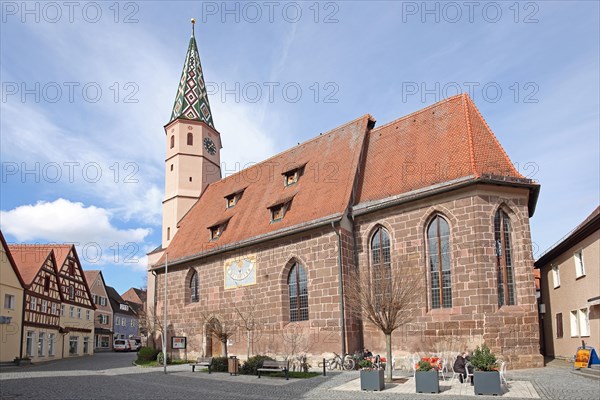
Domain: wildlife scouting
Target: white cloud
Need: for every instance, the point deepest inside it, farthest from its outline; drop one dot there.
(62, 221)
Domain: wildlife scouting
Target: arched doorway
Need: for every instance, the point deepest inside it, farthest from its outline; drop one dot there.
(213, 344)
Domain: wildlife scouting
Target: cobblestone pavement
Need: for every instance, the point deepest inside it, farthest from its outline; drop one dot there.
(111, 376)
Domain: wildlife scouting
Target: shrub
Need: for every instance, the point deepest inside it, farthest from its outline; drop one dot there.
(147, 354)
(250, 366)
(219, 364)
(365, 364)
(160, 358)
(483, 359)
(424, 366)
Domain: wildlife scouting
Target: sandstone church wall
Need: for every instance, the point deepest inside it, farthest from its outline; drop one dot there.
(275, 335)
(474, 318)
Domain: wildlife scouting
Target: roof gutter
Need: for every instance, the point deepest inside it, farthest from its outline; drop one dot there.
(374, 205)
(255, 240)
(341, 282)
(454, 184)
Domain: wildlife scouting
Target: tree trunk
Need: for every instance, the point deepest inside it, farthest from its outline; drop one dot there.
(248, 337)
(224, 348)
(388, 356)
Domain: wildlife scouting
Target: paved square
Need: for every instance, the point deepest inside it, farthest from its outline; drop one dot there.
(516, 389)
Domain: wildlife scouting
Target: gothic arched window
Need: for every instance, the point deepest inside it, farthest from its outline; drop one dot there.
(194, 287)
(505, 271)
(438, 243)
(381, 265)
(298, 291)
(172, 141)
(190, 139)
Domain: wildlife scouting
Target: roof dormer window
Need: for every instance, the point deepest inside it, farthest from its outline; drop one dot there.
(215, 232)
(291, 176)
(232, 199)
(277, 213)
(216, 229)
(280, 208)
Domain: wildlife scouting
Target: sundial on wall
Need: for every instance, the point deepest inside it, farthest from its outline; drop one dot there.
(240, 272)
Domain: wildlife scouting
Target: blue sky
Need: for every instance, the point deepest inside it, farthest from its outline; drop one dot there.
(87, 88)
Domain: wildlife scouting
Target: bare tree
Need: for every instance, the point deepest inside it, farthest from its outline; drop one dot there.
(386, 299)
(152, 324)
(296, 342)
(247, 313)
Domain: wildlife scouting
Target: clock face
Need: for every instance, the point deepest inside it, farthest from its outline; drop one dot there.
(209, 145)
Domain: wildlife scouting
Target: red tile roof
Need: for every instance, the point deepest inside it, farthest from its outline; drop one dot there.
(30, 257)
(91, 276)
(447, 141)
(323, 191)
(440, 143)
(29, 260)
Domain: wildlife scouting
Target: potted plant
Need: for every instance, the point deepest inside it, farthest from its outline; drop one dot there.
(371, 376)
(426, 378)
(22, 361)
(486, 375)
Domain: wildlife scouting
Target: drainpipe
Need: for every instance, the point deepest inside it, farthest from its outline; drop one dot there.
(153, 312)
(22, 326)
(342, 316)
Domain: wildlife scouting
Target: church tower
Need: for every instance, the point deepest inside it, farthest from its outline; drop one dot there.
(193, 145)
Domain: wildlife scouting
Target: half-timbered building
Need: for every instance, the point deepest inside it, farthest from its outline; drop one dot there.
(77, 313)
(42, 303)
(58, 303)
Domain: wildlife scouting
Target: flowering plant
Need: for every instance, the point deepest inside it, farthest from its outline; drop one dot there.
(424, 366)
(368, 365)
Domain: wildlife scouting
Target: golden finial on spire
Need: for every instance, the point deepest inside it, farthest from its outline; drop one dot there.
(193, 23)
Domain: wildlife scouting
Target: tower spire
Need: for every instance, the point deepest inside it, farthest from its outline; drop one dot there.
(191, 101)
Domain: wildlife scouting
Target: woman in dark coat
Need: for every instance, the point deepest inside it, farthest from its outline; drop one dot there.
(460, 366)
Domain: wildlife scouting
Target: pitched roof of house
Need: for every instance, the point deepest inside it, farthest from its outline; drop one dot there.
(29, 259)
(349, 167)
(116, 300)
(134, 295)
(441, 143)
(589, 225)
(330, 162)
(11, 260)
(91, 275)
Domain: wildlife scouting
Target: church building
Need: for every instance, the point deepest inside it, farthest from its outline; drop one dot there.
(258, 262)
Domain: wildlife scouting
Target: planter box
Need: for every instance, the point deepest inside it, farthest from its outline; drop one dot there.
(487, 382)
(372, 380)
(427, 381)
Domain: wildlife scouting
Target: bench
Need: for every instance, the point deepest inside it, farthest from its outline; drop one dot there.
(203, 362)
(274, 366)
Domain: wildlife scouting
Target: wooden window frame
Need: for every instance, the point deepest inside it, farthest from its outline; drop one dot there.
(559, 325)
(190, 139)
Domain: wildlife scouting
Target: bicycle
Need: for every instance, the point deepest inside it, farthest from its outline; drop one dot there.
(337, 362)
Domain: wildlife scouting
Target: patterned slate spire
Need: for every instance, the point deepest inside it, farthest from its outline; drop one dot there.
(191, 101)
